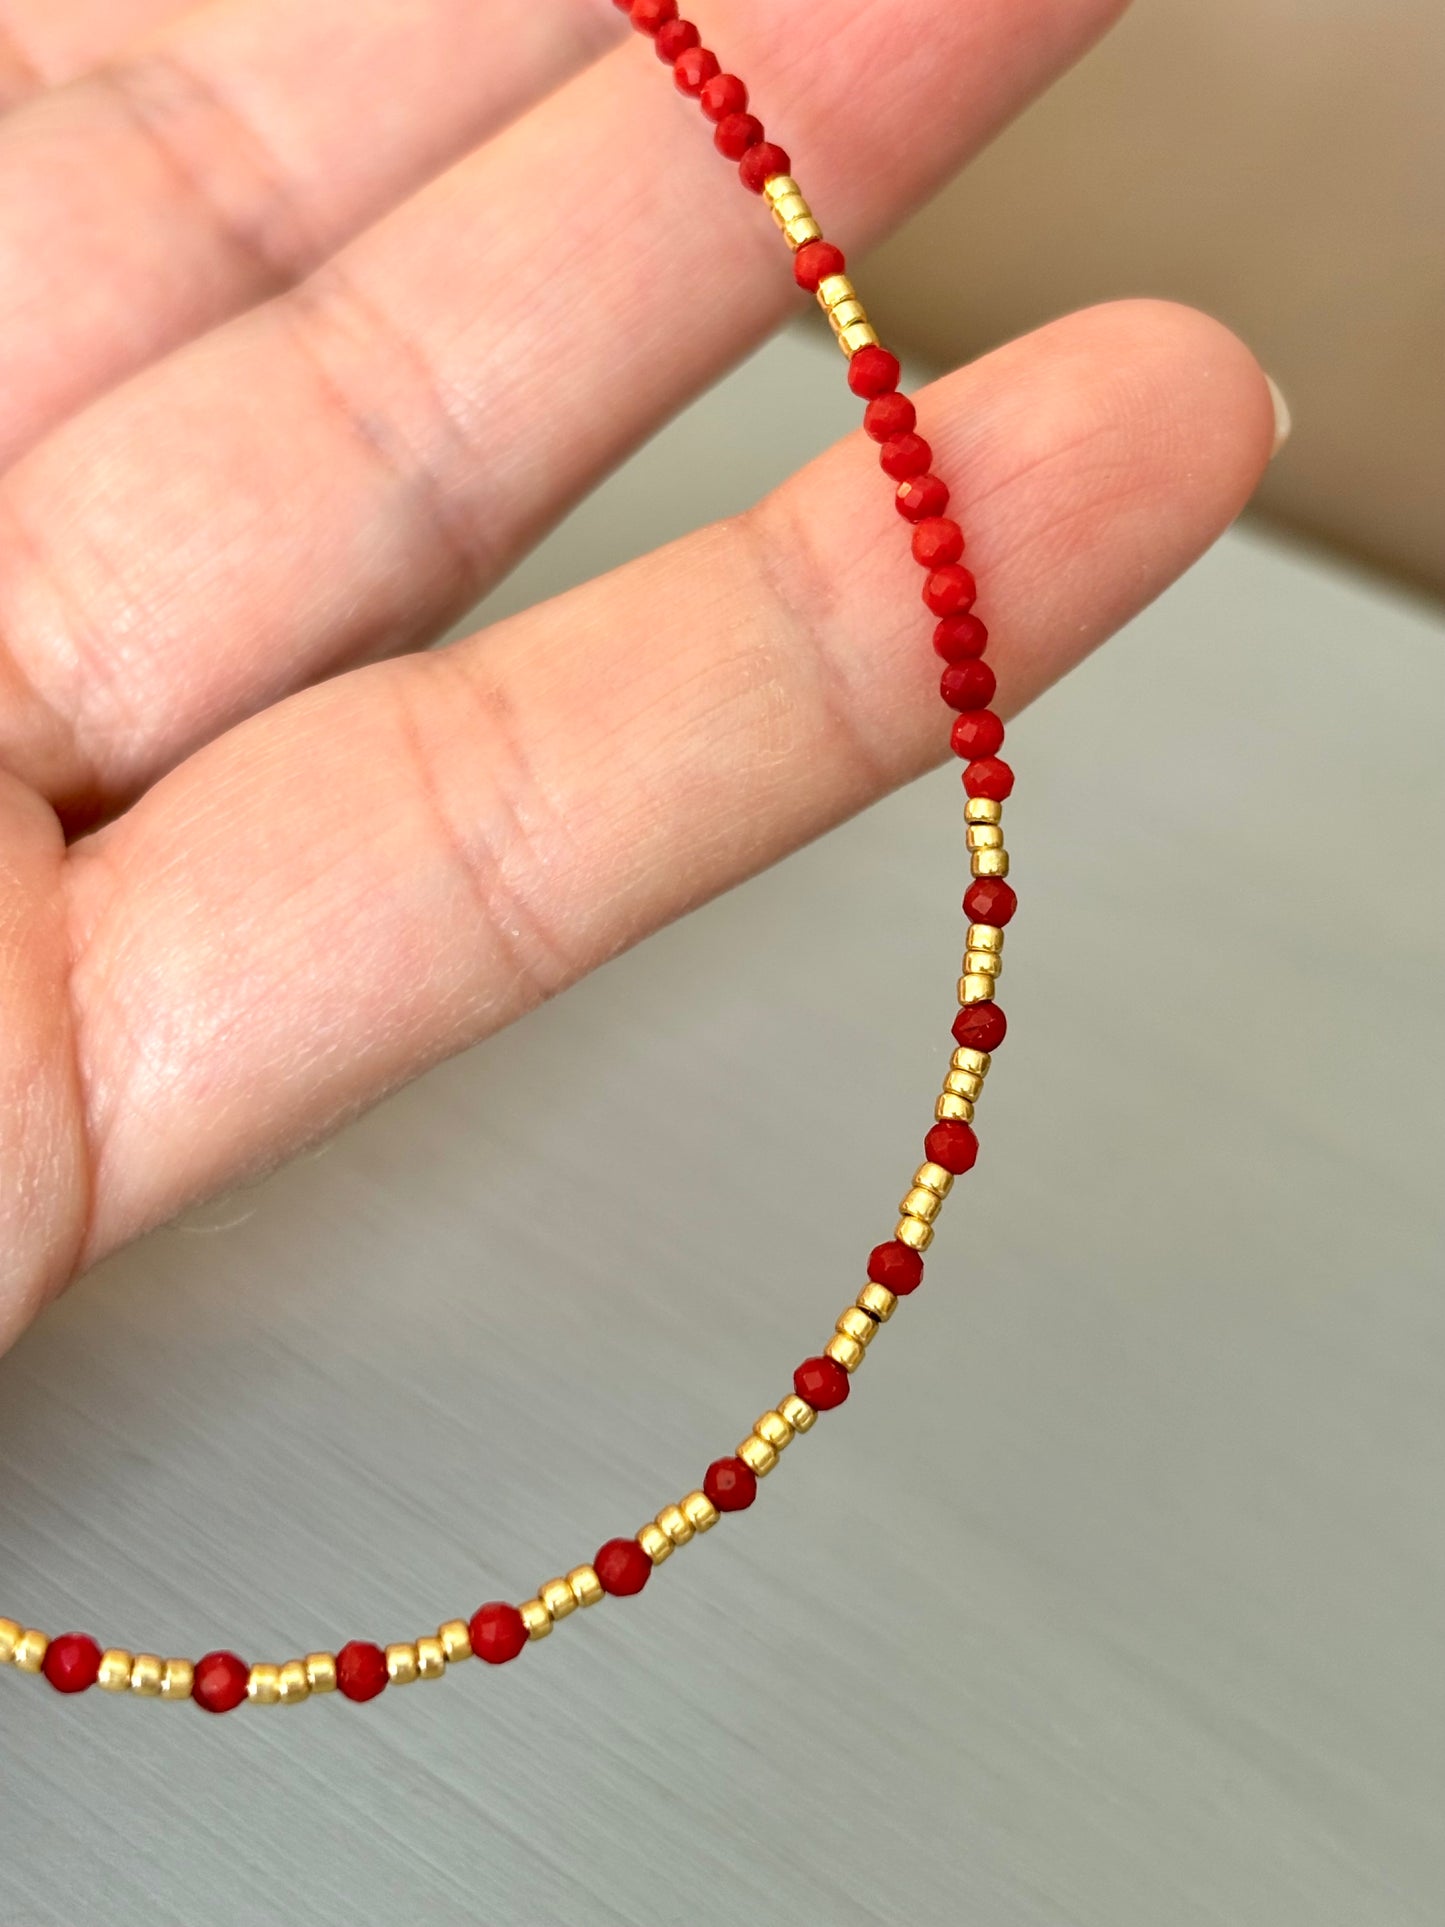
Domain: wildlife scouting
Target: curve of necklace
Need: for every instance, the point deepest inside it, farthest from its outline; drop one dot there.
(499, 1631)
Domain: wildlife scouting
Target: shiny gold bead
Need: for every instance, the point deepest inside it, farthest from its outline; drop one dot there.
(702, 1514)
(800, 230)
(758, 1454)
(855, 1323)
(146, 1675)
(933, 1177)
(773, 1427)
(878, 1301)
(676, 1524)
(321, 1672)
(982, 963)
(263, 1687)
(964, 1084)
(294, 1685)
(982, 809)
(990, 863)
(798, 1412)
(953, 1110)
(655, 1542)
(456, 1639)
(30, 1650)
(586, 1586)
(778, 185)
(984, 836)
(536, 1618)
(834, 289)
(789, 208)
(558, 1597)
(114, 1674)
(862, 334)
(975, 987)
(177, 1680)
(10, 1631)
(977, 1061)
(921, 1203)
(403, 1666)
(984, 936)
(431, 1657)
(847, 1351)
(847, 314)
(916, 1233)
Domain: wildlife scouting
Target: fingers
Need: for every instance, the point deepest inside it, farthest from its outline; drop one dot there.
(43, 45)
(391, 866)
(229, 154)
(457, 377)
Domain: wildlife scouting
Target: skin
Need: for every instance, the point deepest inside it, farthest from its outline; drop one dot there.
(313, 319)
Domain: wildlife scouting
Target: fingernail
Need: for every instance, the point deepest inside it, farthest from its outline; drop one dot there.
(1282, 422)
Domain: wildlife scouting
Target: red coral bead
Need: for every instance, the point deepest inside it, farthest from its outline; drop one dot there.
(898, 1267)
(623, 1567)
(921, 496)
(953, 1145)
(905, 455)
(990, 776)
(951, 590)
(674, 38)
(937, 542)
(497, 1631)
(967, 685)
(960, 638)
(990, 900)
(761, 163)
(724, 94)
(977, 732)
(361, 1670)
(873, 371)
(72, 1662)
(979, 1027)
(693, 70)
(887, 416)
(730, 1484)
(735, 134)
(814, 262)
(219, 1682)
(649, 16)
(822, 1382)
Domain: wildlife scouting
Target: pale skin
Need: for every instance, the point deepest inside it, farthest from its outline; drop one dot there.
(312, 318)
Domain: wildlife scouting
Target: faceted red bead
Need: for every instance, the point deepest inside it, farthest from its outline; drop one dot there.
(937, 542)
(498, 1632)
(920, 497)
(967, 685)
(361, 1670)
(888, 415)
(72, 1661)
(219, 1683)
(823, 1382)
(905, 455)
(953, 1145)
(951, 590)
(814, 262)
(979, 1027)
(648, 16)
(977, 732)
(760, 163)
(898, 1267)
(693, 70)
(735, 134)
(873, 371)
(730, 1484)
(724, 94)
(960, 638)
(675, 37)
(623, 1567)
(990, 900)
(990, 776)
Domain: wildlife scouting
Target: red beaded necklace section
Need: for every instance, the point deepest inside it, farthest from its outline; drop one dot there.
(497, 1632)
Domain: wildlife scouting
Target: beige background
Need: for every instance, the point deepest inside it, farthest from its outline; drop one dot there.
(1278, 162)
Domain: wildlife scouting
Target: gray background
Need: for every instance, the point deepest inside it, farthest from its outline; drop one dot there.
(1116, 1596)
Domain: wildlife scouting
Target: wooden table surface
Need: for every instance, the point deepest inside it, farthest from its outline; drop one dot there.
(1117, 1596)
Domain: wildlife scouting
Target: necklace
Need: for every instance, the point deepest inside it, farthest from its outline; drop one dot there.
(498, 1631)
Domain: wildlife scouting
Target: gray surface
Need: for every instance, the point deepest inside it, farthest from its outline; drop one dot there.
(1114, 1598)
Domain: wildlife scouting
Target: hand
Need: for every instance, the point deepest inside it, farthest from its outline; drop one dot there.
(311, 318)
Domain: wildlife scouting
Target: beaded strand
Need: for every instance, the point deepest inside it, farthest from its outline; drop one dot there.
(498, 1632)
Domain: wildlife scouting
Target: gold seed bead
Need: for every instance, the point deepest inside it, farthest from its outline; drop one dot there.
(263, 1687)
(10, 1631)
(982, 963)
(983, 809)
(114, 1674)
(702, 1514)
(147, 1675)
(834, 289)
(536, 1618)
(30, 1650)
(321, 1672)
(847, 314)
(557, 1596)
(921, 1203)
(655, 1542)
(789, 208)
(984, 836)
(855, 1323)
(953, 1110)
(402, 1664)
(990, 863)
(963, 1084)
(456, 1641)
(861, 334)
(431, 1657)
(916, 1233)
(294, 1685)
(933, 1177)
(776, 186)
(586, 1586)
(177, 1680)
(975, 987)
(878, 1301)
(977, 1061)
(800, 231)
(847, 1351)
(773, 1427)
(984, 936)
(676, 1524)
(798, 1412)
(757, 1454)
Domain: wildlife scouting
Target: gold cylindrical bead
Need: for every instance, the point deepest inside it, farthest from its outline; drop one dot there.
(982, 809)
(321, 1672)
(862, 334)
(558, 1597)
(586, 1586)
(757, 1454)
(990, 863)
(921, 1203)
(847, 1351)
(953, 1110)
(676, 1524)
(975, 987)
(934, 1178)
(294, 1685)
(773, 1427)
(147, 1675)
(30, 1650)
(403, 1667)
(10, 1631)
(984, 936)
(964, 1059)
(847, 314)
(833, 289)
(916, 1233)
(263, 1688)
(982, 963)
(798, 1412)
(985, 836)
(177, 1680)
(456, 1639)
(789, 208)
(702, 1514)
(431, 1657)
(776, 186)
(800, 230)
(655, 1542)
(114, 1674)
(878, 1301)
(964, 1084)
(855, 1323)
(536, 1618)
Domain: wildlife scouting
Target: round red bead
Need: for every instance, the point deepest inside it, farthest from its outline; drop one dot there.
(724, 94)
(967, 685)
(623, 1567)
(937, 542)
(960, 638)
(897, 1267)
(951, 590)
(735, 134)
(990, 776)
(498, 1632)
(920, 497)
(889, 415)
(977, 732)
(953, 1145)
(873, 371)
(219, 1682)
(814, 262)
(361, 1670)
(693, 70)
(675, 37)
(990, 900)
(905, 455)
(761, 163)
(730, 1484)
(648, 16)
(979, 1027)
(822, 1382)
(72, 1661)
